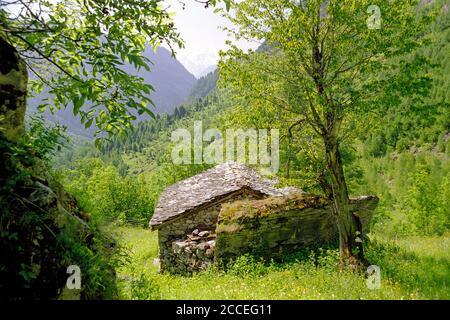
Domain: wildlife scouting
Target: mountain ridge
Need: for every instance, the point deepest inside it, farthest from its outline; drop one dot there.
(172, 82)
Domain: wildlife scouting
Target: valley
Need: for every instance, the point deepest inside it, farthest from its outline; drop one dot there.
(334, 109)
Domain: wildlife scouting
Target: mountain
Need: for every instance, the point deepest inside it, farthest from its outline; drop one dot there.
(171, 80)
(207, 70)
(204, 86)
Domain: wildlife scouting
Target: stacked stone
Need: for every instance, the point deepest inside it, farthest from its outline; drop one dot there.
(194, 253)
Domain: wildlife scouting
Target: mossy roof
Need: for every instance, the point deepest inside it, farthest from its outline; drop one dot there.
(253, 209)
(210, 186)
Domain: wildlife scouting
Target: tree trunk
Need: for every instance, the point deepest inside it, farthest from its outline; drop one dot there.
(13, 90)
(349, 225)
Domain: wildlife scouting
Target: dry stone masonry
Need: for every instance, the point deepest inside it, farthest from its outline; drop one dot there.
(274, 227)
(230, 210)
(179, 229)
(196, 252)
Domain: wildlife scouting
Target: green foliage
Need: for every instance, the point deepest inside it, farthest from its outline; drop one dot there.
(428, 201)
(413, 191)
(247, 266)
(76, 50)
(106, 195)
(416, 268)
(315, 69)
(42, 229)
(45, 140)
(423, 123)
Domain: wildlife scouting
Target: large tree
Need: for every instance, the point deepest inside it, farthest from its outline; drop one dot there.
(327, 65)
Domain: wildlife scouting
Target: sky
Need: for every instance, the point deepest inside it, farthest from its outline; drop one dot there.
(199, 28)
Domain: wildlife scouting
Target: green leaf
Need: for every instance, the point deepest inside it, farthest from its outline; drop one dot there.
(42, 107)
(78, 102)
(89, 123)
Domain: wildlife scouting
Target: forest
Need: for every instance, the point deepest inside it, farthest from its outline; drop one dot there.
(361, 102)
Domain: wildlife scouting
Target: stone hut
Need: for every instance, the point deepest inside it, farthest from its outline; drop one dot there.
(187, 213)
(230, 210)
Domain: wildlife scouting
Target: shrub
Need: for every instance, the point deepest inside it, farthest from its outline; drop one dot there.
(246, 265)
(427, 210)
(107, 196)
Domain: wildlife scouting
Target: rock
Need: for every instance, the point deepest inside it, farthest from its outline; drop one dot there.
(178, 246)
(193, 238)
(194, 253)
(203, 246)
(204, 234)
(13, 92)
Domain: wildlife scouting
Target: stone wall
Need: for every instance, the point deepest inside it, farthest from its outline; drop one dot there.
(196, 252)
(276, 226)
(178, 229)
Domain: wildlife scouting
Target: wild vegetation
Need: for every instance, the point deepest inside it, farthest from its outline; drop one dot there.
(412, 268)
(368, 117)
(42, 223)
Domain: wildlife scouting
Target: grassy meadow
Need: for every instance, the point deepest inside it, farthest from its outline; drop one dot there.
(411, 268)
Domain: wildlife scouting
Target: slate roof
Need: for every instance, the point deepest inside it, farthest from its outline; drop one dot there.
(209, 186)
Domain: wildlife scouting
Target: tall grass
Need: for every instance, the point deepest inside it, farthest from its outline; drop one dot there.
(409, 271)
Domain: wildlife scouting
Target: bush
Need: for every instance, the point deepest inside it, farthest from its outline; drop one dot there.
(247, 265)
(107, 196)
(45, 141)
(413, 190)
(427, 201)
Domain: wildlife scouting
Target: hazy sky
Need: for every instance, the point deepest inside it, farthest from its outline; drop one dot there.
(199, 28)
